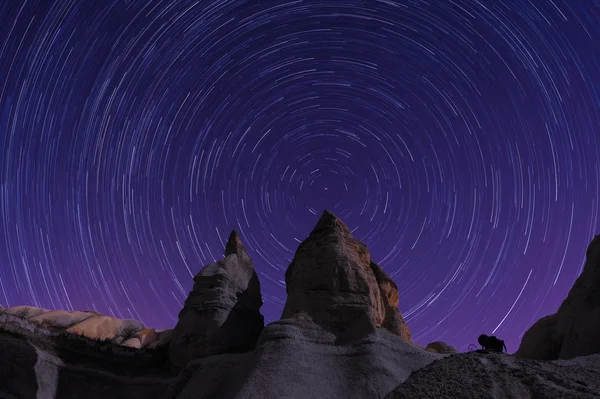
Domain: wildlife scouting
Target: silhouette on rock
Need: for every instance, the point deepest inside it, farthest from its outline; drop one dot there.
(574, 330)
(222, 312)
(332, 281)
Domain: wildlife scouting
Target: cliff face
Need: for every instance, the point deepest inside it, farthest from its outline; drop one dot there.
(574, 330)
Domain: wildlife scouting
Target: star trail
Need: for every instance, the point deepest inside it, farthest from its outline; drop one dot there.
(458, 139)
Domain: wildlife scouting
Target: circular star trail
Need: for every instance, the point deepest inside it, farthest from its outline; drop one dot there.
(458, 139)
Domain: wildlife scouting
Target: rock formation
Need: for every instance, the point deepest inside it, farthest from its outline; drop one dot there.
(574, 330)
(440, 347)
(496, 376)
(392, 320)
(333, 281)
(341, 335)
(92, 325)
(222, 312)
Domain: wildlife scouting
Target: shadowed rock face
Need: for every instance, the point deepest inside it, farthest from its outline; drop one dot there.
(574, 330)
(333, 281)
(393, 320)
(222, 312)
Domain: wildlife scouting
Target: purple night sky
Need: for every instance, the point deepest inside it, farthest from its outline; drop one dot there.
(459, 140)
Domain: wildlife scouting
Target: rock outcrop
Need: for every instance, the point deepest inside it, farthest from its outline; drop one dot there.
(497, 376)
(92, 325)
(574, 330)
(440, 347)
(333, 281)
(222, 312)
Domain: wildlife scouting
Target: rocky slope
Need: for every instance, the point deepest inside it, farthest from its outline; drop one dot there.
(341, 335)
(574, 330)
(493, 376)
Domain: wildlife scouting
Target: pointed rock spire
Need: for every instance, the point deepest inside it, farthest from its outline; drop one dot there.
(234, 246)
(329, 222)
(331, 280)
(222, 312)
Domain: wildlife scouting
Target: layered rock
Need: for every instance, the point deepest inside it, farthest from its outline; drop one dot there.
(222, 312)
(92, 325)
(440, 347)
(574, 330)
(333, 281)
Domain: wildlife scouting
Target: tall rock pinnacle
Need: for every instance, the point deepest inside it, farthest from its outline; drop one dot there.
(574, 329)
(222, 312)
(331, 279)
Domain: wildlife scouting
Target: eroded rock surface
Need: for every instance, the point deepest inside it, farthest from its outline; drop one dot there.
(498, 376)
(574, 330)
(440, 347)
(334, 282)
(90, 324)
(393, 320)
(222, 312)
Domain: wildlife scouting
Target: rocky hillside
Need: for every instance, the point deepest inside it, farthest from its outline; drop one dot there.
(341, 335)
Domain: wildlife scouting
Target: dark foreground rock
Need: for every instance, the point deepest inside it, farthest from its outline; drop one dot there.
(298, 359)
(39, 363)
(494, 376)
(574, 330)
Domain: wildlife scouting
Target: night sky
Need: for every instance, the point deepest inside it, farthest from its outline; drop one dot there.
(460, 140)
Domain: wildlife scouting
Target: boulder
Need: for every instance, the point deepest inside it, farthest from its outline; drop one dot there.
(147, 336)
(104, 327)
(222, 312)
(440, 347)
(574, 329)
(132, 343)
(333, 281)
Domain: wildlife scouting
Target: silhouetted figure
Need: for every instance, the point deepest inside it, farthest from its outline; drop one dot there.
(491, 343)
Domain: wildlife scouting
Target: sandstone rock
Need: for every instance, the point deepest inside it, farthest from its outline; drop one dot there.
(333, 281)
(393, 321)
(132, 343)
(222, 312)
(147, 336)
(440, 347)
(104, 327)
(574, 329)
(26, 312)
(60, 318)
